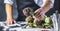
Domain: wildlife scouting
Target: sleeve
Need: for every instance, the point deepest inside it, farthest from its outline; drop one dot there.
(52, 3)
(9, 2)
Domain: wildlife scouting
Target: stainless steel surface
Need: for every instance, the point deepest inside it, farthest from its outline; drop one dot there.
(22, 29)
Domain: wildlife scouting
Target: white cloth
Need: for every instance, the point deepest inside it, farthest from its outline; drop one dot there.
(38, 2)
(9, 1)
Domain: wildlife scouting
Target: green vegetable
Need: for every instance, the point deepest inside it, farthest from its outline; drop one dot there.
(29, 19)
(43, 18)
(47, 19)
(34, 24)
(43, 23)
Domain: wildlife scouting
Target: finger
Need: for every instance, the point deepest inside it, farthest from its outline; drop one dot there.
(26, 14)
(36, 15)
(36, 11)
(7, 23)
(25, 10)
(11, 22)
(14, 21)
(39, 17)
(40, 14)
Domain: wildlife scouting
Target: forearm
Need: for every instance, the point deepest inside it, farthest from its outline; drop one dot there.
(46, 5)
(9, 11)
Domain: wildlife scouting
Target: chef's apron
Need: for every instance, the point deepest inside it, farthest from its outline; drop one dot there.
(21, 4)
(57, 5)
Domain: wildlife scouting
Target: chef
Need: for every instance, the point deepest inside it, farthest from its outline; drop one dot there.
(40, 7)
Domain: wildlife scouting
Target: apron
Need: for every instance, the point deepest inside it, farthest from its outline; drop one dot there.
(57, 5)
(21, 4)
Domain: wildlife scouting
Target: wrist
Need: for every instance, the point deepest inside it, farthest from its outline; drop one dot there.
(44, 10)
(9, 17)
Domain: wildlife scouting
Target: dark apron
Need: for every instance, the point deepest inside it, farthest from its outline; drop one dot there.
(21, 4)
(57, 5)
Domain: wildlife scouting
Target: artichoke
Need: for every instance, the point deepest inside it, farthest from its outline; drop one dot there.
(43, 23)
(35, 21)
(43, 18)
(47, 19)
(29, 19)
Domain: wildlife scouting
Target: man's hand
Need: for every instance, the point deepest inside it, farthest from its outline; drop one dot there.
(25, 11)
(10, 21)
(38, 14)
(9, 13)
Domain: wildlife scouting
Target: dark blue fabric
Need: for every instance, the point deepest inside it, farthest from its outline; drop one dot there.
(2, 11)
(21, 4)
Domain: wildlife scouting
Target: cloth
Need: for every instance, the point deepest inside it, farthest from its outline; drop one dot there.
(57, 5)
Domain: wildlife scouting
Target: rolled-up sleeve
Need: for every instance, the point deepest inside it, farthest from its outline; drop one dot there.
(9, 2)
(52, 3)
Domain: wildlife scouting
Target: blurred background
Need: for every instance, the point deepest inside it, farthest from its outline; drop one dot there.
(3, 13)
